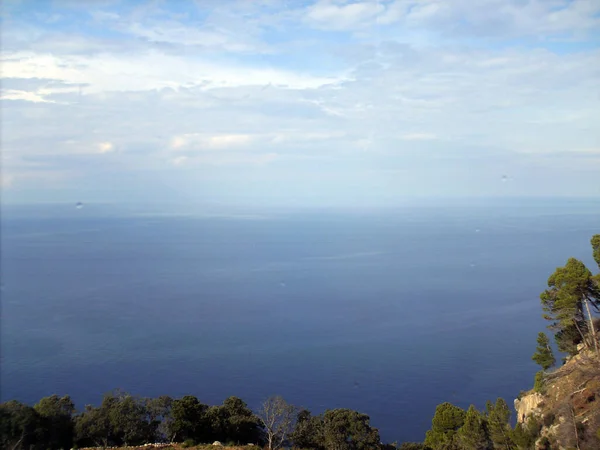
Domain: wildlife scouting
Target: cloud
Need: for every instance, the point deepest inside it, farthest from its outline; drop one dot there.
(327, 14)
(105, 147)
(418, 137)
(152, 69)
(335, 92)
(196, 141)
(6, 180)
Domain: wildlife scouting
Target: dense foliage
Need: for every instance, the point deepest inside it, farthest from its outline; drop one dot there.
(125, 420)
(569, 303)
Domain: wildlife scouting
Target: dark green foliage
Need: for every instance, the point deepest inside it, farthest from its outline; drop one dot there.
(548, 419)
(19, 426)
(242, 426)
(128, 419)
(498, 423)
(56, 417)
(189, 420)
(412, 446)
(525, 435)
(447, 420)
(345, 429)
(572, 291)
(93, 428)
(121, 419)
(160, 417)
(188, 443)
(472, 435)
(595, 241)
(568, 338)
(539, 383)
(308, 432)
(543, 353)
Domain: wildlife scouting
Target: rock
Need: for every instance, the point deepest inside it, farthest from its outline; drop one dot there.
(528, 405)
(217, 443)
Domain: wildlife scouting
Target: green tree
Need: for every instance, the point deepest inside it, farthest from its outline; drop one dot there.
(472, 435)
(412, 446)
(308, 432)
(93, 428)
(345, 429)
(498, 423)
(128, 419)
(19, 426)
(160, 417)
(543, 353)
(525, 434)
(447, 420)
(568, 302)
(595, 241)
(56, 414)
(243, 426)
(188, 421)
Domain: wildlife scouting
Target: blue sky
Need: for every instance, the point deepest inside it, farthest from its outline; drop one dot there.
(309, 103)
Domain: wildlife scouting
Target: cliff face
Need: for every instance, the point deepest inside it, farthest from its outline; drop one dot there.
(568, 409)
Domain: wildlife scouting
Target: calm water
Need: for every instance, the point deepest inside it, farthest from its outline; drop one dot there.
(389, 313)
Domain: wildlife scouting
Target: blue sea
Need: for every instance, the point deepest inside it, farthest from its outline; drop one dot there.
(389, 312)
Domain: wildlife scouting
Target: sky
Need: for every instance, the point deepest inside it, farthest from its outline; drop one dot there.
(299, 103)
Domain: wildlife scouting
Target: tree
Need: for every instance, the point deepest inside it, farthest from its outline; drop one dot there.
(92, 427)
(498, 421)
(242, 425)
(345, 429)
(525, 434)
(189, 420)
(128, 419)
(412, 446)
(278, 418)
(595, 241)
(19, 426)
(160, 417)
(472, 435)
(308, 432)
(447, 420)
(543, 353)
(572, 291)
(56, 414)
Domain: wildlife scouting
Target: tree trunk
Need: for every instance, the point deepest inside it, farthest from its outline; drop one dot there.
(592, 330)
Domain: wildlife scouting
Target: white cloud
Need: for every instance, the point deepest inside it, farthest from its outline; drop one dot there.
(6, 180)
(197, 141)
(168, 99)
(329, 15)
(418, 137)
(149, 70)
(105, 147)
(28, 96)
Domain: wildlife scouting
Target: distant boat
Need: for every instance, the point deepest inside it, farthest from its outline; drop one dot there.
(79, 205)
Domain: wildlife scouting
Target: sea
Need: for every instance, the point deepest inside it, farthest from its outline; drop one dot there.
(387, 311)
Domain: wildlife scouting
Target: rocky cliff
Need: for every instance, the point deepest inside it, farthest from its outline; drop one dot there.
(568, 406)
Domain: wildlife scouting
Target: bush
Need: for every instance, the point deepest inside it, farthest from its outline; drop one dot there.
(549, 419)
(188, 443)
(539, 383)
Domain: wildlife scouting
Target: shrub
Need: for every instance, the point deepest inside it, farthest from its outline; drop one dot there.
(188, 443)
(549, 419)
(539, 383)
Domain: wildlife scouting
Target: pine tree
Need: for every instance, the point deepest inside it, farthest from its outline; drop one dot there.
(498, 420)
(472, 435)
(447, 420)
(572, 291)
(543, 353)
